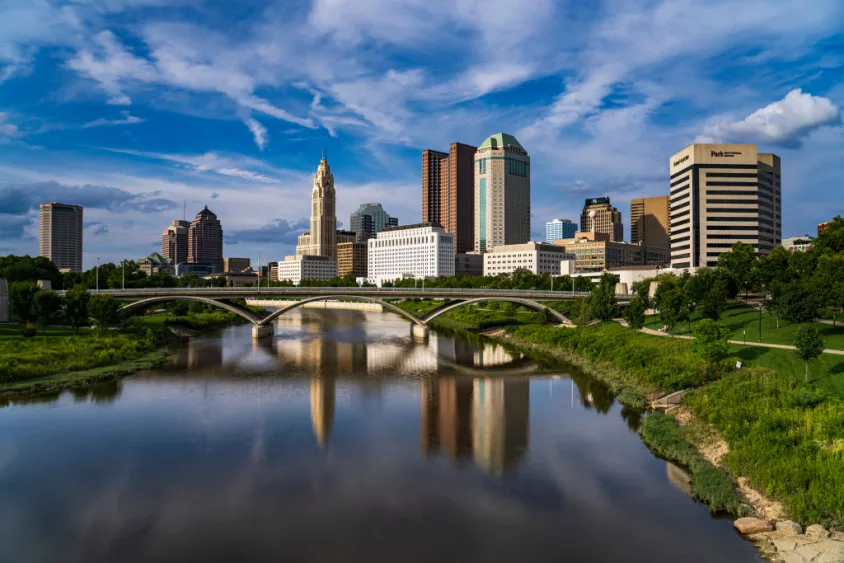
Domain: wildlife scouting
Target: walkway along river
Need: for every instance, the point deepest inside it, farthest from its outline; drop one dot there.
(342, 439)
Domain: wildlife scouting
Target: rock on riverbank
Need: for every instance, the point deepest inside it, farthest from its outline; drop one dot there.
(787, 543)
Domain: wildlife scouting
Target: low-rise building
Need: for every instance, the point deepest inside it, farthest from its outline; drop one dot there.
(195, 268)
(558, 229)
(236, 279)
(424, 250)
(594, 252)
(469, 264)
(307, 267)
(351, 259)
(155, 263)
(536, 257)
(798, 244)
(236, 264)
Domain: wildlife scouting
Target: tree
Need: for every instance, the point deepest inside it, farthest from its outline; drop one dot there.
(22, 301)
(798, 303)
(602, 302)
(46, 306)
(829, 279)
(671, 307)
(809, 346)
(76, 307)
(104, 309)
(771, 268)
(715, 300)
(711, 341)
(634, 314)
(738, 263)
(831, 239)
(27, 268)
(580, 312)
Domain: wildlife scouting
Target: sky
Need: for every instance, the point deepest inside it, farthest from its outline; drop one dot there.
(144, 110)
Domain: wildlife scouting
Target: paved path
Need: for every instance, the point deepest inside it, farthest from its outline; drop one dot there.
(740, 342)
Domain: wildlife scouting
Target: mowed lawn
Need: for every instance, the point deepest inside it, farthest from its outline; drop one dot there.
(12, 331)
(826, 371)
(739, 318)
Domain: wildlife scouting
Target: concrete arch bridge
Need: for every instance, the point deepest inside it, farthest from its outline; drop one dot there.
(142, 299)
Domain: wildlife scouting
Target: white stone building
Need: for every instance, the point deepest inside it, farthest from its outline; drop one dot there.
(298, 268)
(537, 257)
(411, 251)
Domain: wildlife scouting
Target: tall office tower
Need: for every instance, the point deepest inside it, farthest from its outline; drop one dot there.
(605, 219)
(559, 229)
(502, 193)
(720, 195)
(321, 240)
(448, 187)
(368, 220)
(649, 221)
(174, 242)
(61, 235)
(205, 240)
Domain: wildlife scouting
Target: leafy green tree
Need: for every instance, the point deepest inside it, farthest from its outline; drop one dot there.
(104, 309)
(671, 307)
(634, 314)
(178, 308)
(76, 307)
(26, 268)
(711, 341)
(798, 302)
(602, 302)
(582, 283)
(831, 239)
(809, 346)
(22, 301)
(739, 263)
(771, 268)
(46, 306)
(580, 312)
(714, 300)
(829, 279)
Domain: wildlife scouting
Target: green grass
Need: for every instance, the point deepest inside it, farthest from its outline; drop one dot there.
(710, 485)
(827, 371)
(12, 331)
(80, 378)
(740, 318)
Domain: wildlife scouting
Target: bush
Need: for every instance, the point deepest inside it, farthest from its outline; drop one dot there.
(29, 330)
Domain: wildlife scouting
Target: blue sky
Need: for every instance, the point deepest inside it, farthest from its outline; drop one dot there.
(134, 107)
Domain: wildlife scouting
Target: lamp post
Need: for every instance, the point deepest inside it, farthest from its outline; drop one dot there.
(259, 272)
(124, 275)
(98, 274)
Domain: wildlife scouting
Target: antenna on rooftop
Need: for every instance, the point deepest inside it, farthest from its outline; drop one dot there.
(185, 210)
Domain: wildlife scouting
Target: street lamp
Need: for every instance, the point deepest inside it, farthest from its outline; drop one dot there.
(98, 274)
(124, 275)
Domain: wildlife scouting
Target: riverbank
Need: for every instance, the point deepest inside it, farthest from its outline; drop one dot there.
(60, 359)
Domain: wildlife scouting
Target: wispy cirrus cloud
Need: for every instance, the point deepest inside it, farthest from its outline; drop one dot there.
(126, 119)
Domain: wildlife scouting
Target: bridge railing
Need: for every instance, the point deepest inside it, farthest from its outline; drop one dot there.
(249, 291)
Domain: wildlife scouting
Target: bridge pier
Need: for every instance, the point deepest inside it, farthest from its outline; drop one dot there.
(419, 332)
(262, 331)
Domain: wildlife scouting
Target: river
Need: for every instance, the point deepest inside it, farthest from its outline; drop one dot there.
(341, 439)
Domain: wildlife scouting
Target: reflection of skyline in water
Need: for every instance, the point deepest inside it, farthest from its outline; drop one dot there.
(485, 419)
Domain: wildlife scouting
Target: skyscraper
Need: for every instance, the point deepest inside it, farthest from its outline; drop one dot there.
(448, 185)
(321, 240)
(174, 242)
(502, 193)
(368, 220)
(61, 235)
(720, 195)
(649, 221)
(605, 219)
(205, 240)
(559, 229)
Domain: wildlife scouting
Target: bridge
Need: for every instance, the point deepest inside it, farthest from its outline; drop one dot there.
(142, 299)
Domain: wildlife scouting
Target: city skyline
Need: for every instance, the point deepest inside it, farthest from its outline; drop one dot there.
(92, 115)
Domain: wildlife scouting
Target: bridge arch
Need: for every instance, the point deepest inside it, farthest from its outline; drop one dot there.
(390, 306)
(143, 304)
(529, 303)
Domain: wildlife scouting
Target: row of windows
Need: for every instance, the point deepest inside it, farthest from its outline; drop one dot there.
(733, 219)
(679, 197)
(681, 206)
(516, 167)
(730, 175)
(733, 201)
(732, 184)
(680, 181)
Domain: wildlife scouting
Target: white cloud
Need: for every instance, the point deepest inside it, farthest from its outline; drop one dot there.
(784, 122)
(127, 119)
(258, 131)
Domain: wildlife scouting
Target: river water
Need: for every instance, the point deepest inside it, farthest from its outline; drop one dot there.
(341, 439)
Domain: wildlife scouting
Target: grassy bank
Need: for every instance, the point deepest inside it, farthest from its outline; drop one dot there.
(743, 321)
(81, 378)
(710, 485)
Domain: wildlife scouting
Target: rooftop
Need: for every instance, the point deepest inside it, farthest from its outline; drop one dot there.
(500, 140)
(405, 227)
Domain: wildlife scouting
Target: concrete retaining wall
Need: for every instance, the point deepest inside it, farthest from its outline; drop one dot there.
(345, 305)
